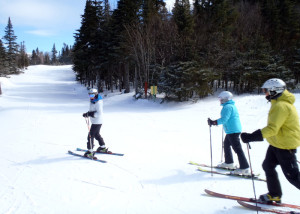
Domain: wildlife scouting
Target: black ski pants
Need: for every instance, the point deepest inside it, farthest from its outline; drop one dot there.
(94, 134)
(288, 162)
(233, 140)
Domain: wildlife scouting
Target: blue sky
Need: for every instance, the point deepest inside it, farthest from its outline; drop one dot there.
(42, 23)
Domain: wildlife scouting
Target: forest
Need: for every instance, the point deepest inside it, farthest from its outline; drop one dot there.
(190, 51)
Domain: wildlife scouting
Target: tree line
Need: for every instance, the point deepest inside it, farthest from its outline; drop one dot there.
(191, 51)
(40, 58)
(14, 58)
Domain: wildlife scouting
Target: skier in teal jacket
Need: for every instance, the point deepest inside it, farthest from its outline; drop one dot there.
(230, 120)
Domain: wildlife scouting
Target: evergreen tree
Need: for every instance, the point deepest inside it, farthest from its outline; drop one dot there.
(282, 18)
(53, 55)
(147, 43)
(296, 64)
(65, 57)
(12, 48)
(215, 27)
(152, 8)
(39, 58)
(3, 60)
(184, 80)
(22, 60)
(127, 14)
(47, 59)
(182, 16)
(34, 58)
(106, 58)
(184, 21)
(85, 53)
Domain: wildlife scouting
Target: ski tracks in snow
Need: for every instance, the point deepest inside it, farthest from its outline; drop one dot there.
(14, 197)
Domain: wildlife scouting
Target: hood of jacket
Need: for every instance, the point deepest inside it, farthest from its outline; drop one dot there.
(228, 102)
(97, 98)
(283, 130)
(286, 96)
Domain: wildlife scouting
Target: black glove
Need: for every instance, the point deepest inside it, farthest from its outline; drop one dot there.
(212, 122)
(89, 114)
(255, 136)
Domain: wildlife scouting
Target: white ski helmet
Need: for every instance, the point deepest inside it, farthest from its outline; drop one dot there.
(93, 91)
(224, 96)
(274, 86)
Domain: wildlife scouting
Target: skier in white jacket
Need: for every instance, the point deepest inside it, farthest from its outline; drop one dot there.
(96, 116)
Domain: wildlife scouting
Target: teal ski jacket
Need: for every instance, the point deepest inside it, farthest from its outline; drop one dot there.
(230, 118)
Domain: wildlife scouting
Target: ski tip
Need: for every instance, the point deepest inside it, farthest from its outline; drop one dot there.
(240, 202)
(209, 192)
(193, 163)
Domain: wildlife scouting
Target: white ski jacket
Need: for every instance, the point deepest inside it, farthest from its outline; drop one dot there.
(96, 106)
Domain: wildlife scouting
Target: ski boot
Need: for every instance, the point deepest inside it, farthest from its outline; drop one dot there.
(90, 154)
(226, 165)
(102, 149)
(244, 172)
(268, 199)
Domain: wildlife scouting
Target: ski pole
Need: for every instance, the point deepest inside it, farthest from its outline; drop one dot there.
(211, 164)
(248, 148)
(222, 144)
(88, 126)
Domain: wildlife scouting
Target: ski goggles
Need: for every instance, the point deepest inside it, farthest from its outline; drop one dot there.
(265, 90)
(92, 95)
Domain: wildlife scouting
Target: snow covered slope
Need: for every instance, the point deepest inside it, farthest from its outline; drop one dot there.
(41, 119)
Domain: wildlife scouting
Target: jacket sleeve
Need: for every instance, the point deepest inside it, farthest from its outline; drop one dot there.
(225, 114)
(90, 113)
(97, 108)
(276, 119)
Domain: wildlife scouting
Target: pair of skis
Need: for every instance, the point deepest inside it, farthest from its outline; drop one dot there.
(108, 152)
(94, 159)
(255, 205)
(79, 155)
(246, 202)
(200, 168)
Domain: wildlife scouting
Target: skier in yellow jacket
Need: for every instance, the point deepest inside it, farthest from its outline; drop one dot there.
(283, 134)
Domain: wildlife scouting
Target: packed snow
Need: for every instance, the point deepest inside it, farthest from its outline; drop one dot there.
(41, 119)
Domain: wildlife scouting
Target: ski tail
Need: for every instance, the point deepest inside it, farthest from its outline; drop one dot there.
(249, 200)
(258, 207)
(255, 177)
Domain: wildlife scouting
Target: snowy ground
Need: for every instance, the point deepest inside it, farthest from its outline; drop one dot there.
(41, 119)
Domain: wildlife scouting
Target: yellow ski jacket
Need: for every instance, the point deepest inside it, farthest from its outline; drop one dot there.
(283, 129)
